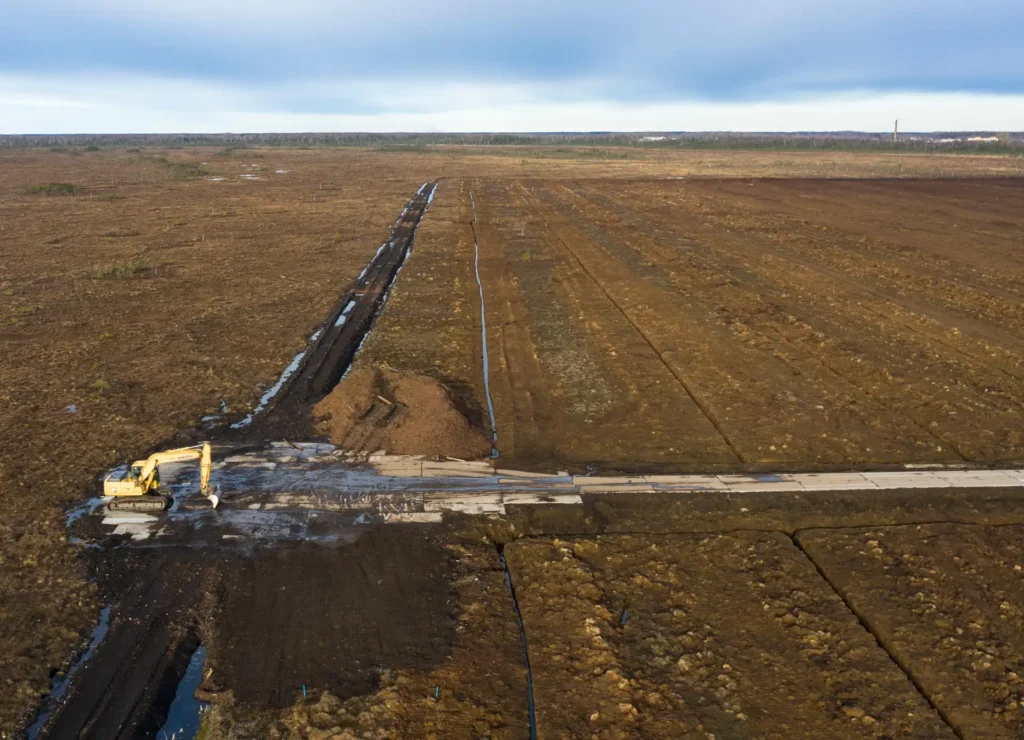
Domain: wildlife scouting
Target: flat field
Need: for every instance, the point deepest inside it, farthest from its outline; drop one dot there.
(724, 324)
(633, 321)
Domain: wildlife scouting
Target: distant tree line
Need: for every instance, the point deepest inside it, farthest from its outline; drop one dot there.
(838, 141)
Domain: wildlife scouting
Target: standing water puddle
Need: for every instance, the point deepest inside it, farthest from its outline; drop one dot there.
(185, 715)
(60, 684)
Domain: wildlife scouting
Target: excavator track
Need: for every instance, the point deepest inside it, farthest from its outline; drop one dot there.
(150, 503)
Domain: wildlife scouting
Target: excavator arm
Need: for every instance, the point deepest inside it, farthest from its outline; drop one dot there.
(147, 476)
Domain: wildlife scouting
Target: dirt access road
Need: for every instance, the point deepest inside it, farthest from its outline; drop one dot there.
(724, 325)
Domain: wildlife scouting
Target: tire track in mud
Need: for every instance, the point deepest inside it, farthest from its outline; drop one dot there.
(127, 685)
(699, 348)
(612, 402)
(702, 405)
(523, 397)
(571, 401)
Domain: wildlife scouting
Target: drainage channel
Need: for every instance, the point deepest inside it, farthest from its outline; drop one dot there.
(185, 715)
(881, 641)
(60, 685)
(315, 371)
(522, 637)
(141, 682)
(351, 321)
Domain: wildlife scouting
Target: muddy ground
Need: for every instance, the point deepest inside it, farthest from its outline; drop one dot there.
(754, 627)
(410, 631)
(395, 631)
(157, 295)
(383, 600)
(475, 689)
(789, 634)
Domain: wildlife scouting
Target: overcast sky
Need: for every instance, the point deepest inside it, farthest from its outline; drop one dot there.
(531, 65)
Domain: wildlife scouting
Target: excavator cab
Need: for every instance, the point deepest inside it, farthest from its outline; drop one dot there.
(135, 472)
(125, 482)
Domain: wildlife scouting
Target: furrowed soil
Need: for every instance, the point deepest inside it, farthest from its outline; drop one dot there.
(393, 629)
(633, 322)
(726, 325)
(385, 599)
(946, 601)
(714, 636)
(459, 675)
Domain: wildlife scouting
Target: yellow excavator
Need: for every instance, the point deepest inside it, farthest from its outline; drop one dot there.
(138, 487)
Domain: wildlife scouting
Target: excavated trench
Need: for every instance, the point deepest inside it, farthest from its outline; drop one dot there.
(284, 411)
(531, 703)
(138, 678)
(126, 683)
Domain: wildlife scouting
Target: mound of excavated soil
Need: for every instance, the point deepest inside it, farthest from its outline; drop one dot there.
(402, 413)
